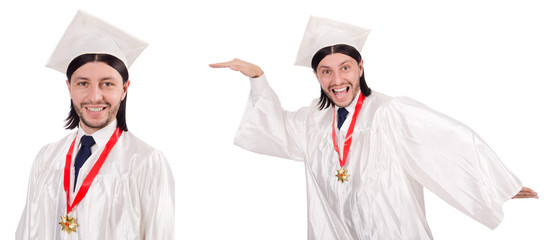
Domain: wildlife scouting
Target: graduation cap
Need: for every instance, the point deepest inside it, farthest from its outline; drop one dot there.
(322, 32)
(89, 34)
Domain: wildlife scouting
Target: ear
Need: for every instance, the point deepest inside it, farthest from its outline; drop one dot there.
(125, 89)
(68, 86)
(361, 65)
(316, 74)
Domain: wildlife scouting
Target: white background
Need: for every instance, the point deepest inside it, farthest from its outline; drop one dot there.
(486, 63)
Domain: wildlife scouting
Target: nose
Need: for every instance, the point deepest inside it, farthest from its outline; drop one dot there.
(95, 94)
(337, 78)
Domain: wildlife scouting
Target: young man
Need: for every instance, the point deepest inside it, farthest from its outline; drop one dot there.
(100, 182)
(367, 155)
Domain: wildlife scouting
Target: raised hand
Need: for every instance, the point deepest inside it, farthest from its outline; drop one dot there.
(246, 68)
(526, 192)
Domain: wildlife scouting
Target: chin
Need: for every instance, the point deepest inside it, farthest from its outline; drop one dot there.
(97, 124)
(342, 103)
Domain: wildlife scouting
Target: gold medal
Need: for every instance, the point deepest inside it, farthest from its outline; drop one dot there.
(342, 175)
(68, 224)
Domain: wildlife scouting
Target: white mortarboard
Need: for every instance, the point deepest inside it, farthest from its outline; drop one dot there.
(89, 34)
(322, 32)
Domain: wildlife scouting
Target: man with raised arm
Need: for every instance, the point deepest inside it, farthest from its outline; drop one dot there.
(368, 156)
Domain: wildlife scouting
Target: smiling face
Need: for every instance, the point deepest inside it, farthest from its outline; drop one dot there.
(96, 91)
(339, 77)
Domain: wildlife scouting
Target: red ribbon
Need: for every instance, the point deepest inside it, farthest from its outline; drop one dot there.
(93, 172)
(348, 139)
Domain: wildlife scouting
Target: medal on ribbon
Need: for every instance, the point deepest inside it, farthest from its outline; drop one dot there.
(342, 174)
(69, 224)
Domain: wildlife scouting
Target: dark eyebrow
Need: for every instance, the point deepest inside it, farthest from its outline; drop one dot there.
(103, 79)
(342, 63)
(345, 61)
(81, 78)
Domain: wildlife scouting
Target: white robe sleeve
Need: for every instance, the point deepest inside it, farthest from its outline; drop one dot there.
(268, 129)
(450, 160)
(25, 223)
(157, 198)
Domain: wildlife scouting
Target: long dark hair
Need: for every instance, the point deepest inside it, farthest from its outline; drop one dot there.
(348, 50)
(73, 119)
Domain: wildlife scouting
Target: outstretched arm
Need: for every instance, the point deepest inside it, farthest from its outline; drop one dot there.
(248, 69)
(527, 192)
(266, 128)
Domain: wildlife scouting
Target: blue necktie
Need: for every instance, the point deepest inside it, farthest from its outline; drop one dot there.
(83, 153)
(342, 112)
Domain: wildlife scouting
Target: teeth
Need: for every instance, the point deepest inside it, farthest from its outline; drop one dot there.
(95, 109)
(340, 90)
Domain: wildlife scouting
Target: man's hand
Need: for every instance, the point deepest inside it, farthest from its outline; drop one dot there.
(248, 69)
(526, 192)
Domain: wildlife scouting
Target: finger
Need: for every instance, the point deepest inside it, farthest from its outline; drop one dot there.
(527, 189)
(522, 195)
(526, 194)
(530, 192)
(220, 65)
(233, 61)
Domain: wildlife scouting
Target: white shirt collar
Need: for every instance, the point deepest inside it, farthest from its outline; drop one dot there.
(100, 136)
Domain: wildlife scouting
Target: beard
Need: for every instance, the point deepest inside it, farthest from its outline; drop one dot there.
(111, 114)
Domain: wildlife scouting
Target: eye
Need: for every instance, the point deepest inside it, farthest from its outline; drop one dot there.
(345, 68)
(82, 83)
(108, 84)
(325, 71)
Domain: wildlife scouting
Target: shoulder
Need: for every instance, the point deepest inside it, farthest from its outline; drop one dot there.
(376, 103)
(139, 152)
(411, 108)
(399, 103)
(146, 165)
(408, 111)
(53, 150)
(316, 117)
(128, 139)
(59, 144)
(49, 154)
(305, 113)
(379, 99)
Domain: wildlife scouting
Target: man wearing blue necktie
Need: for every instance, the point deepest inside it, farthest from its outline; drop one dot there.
(101, 181)
(365, 174)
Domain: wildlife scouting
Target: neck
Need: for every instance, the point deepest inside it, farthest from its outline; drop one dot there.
(91, 130)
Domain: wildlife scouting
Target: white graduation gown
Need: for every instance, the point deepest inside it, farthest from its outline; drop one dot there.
(398, 147)
(132, 197)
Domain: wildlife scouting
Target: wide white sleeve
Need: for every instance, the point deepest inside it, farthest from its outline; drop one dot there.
(266, 128)
(27, 222)
(451, 160)
(157, 199)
